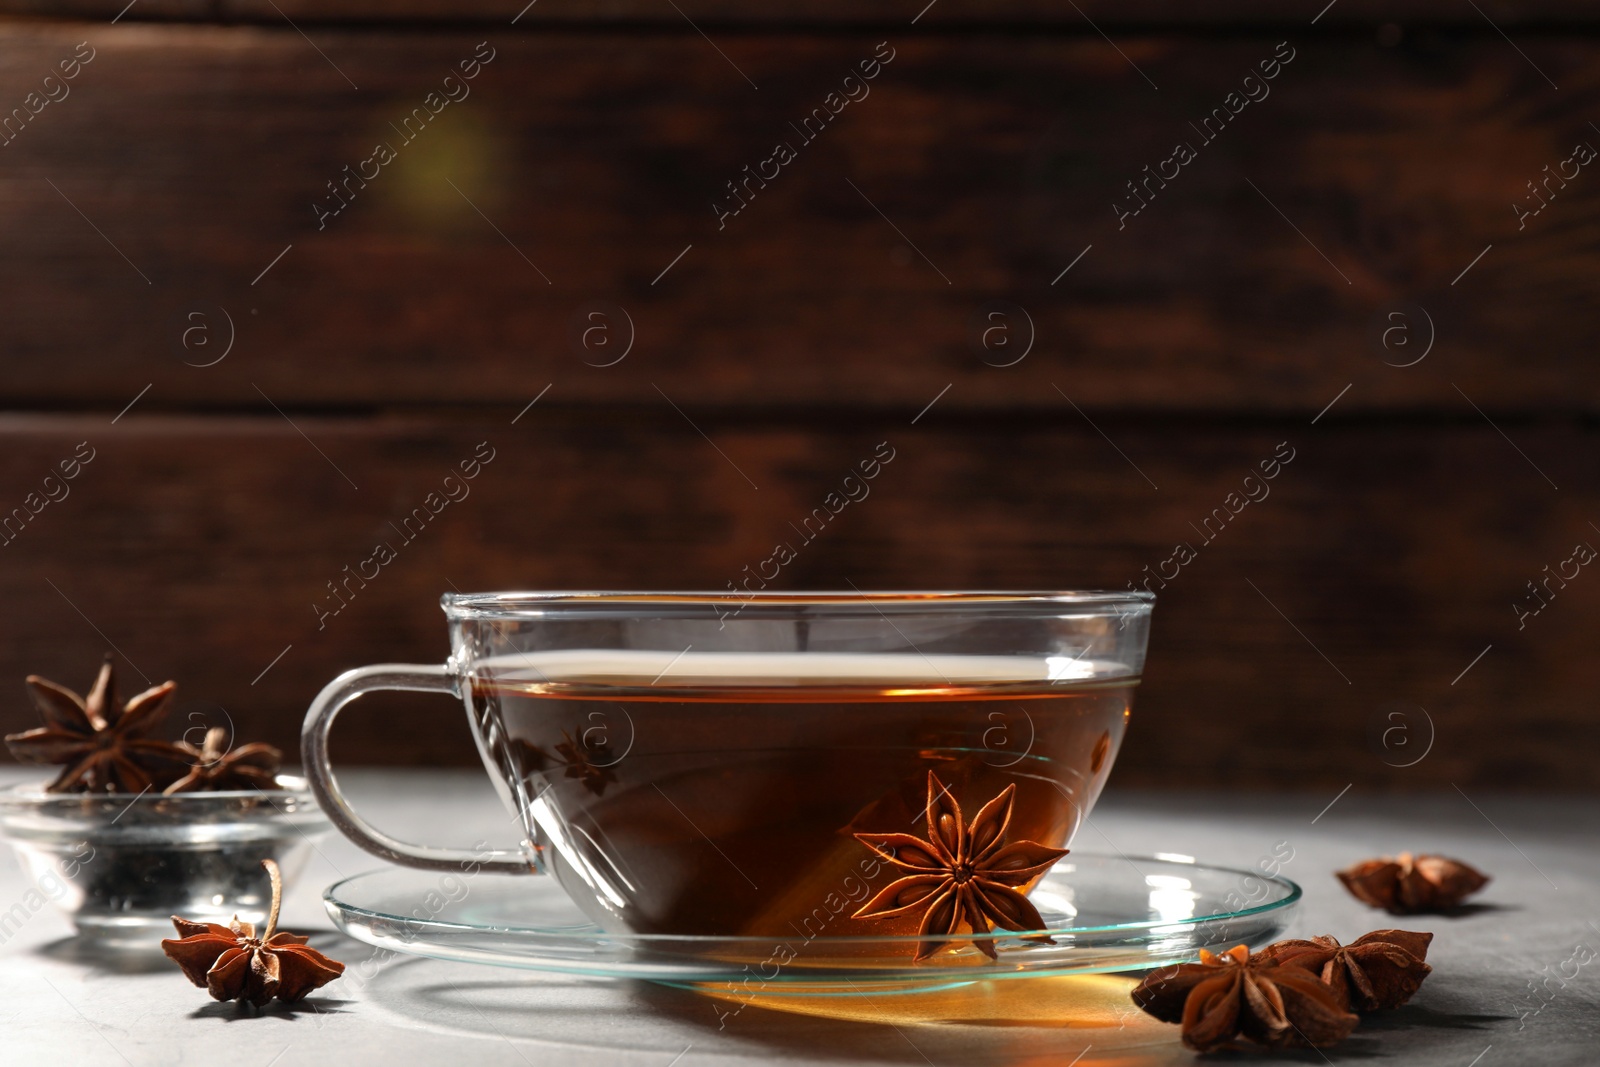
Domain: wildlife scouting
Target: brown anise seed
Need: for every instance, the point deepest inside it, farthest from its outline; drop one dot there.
(232, 963)
(1406, 884)
(1377, 971)
(1231, 995)
(99, 742)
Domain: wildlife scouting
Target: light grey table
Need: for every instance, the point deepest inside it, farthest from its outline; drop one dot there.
(1476, 1010)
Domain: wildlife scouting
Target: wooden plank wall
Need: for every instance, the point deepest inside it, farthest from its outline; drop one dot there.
(1350, 263)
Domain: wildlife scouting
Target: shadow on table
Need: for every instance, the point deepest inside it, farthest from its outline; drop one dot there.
(311, 1010)
(1467, 911)
(990, 1022)
(671, 1020)
(1415, 1015)
(117, 957)
(109, 958)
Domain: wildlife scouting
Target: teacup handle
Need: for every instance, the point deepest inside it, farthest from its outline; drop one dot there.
(416, 677)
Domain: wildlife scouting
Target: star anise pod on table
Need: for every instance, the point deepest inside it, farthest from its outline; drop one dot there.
(1376, 971)
(961, 874)
(232, 963)
(1406, 884)
(216, 767)
(1228, 995)
(101, 743)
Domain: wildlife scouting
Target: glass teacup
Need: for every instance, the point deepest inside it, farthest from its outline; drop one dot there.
(823, 764)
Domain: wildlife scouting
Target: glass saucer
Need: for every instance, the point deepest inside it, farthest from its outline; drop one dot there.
(1104, 913)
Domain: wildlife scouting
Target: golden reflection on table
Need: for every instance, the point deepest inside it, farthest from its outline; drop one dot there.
(1096, 1008)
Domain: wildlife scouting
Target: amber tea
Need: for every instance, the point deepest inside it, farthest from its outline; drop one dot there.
(723, 794)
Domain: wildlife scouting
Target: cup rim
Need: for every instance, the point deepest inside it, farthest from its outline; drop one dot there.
(528, 603)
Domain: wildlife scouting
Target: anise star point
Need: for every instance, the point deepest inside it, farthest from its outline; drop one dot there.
(961, 874)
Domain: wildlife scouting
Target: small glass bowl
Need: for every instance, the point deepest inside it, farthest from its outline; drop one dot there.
(121, 865)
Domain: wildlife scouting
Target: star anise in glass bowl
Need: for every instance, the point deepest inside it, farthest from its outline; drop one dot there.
(100, 743)
(101, 840)
(218, 768)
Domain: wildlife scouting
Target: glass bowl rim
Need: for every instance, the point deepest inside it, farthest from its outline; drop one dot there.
(33, 795)
(543, 604)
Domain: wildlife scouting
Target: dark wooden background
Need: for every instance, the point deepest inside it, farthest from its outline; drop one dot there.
(1248, 297)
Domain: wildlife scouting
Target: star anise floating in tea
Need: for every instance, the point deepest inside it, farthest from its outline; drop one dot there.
(233, 963)
(1230, 995)
(588, 761)
(1376, 971)
(216, 767)
(100, 743)
(1406, 884)
(961, 874)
